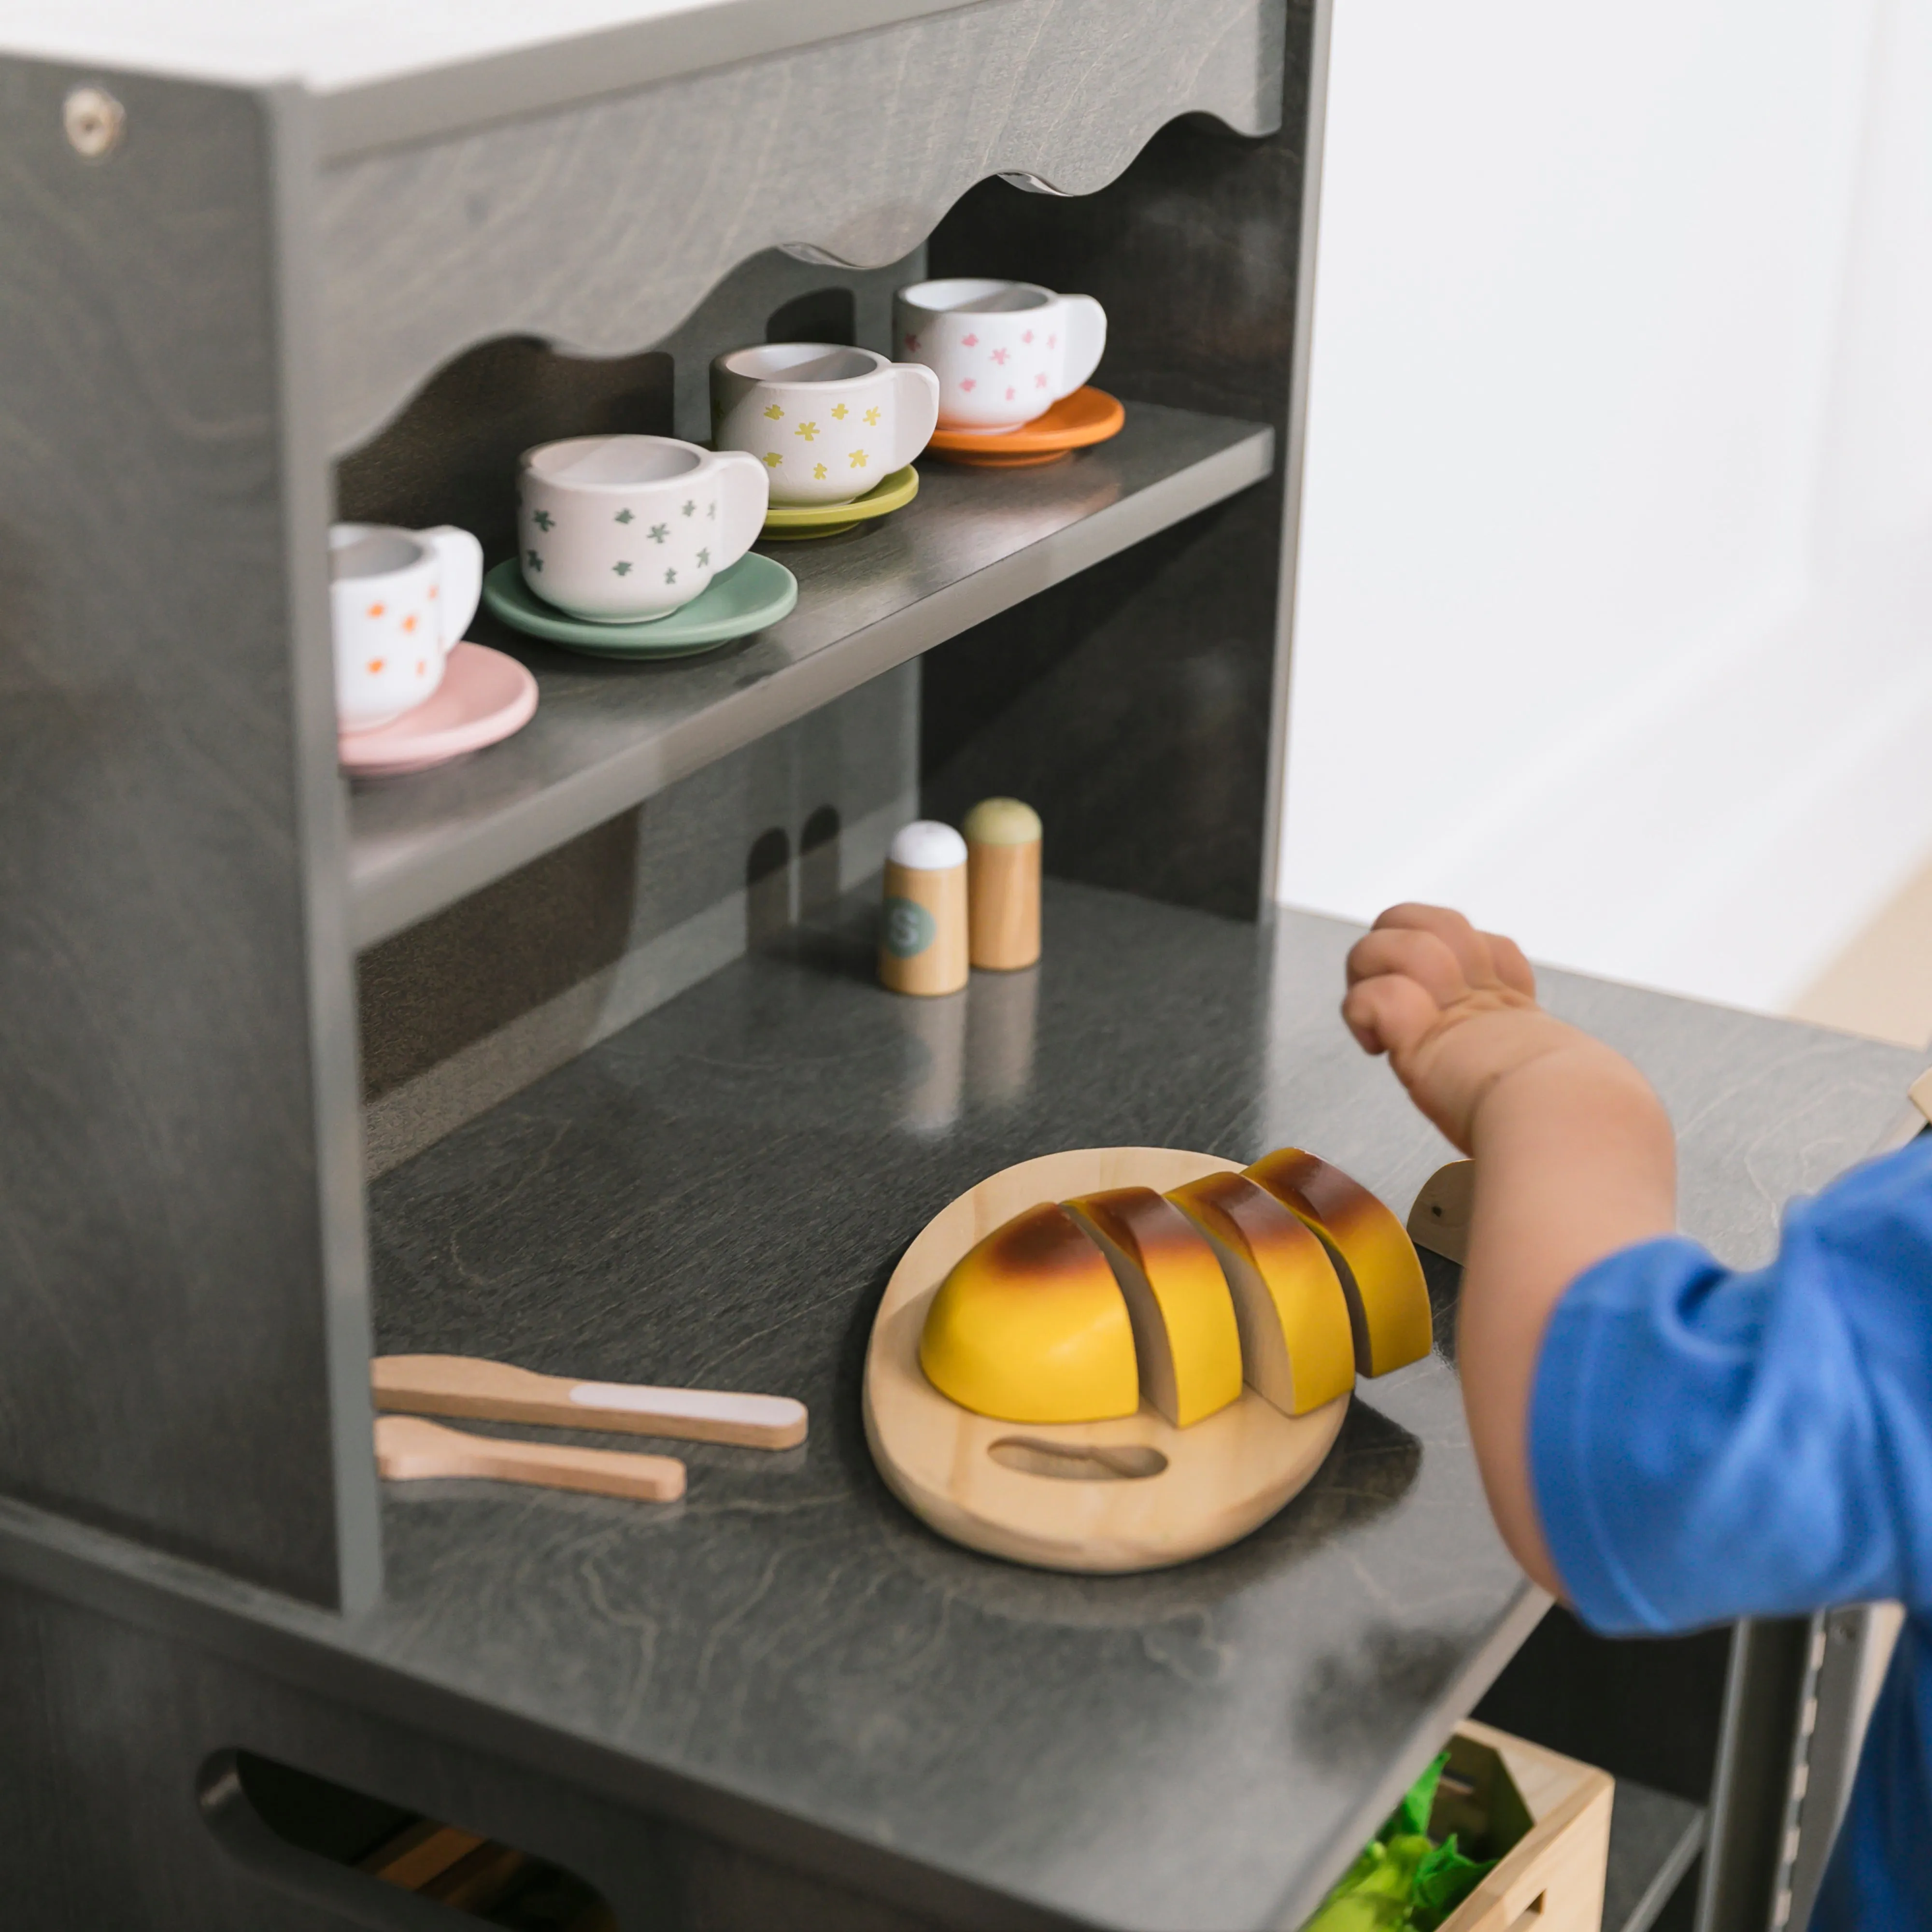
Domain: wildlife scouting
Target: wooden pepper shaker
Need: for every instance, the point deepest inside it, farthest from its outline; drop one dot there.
(922, 938)
(1003, 862)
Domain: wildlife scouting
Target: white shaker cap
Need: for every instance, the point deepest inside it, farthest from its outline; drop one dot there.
(927, 846)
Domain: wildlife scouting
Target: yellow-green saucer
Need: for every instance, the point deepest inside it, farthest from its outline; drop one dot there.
(791, 523)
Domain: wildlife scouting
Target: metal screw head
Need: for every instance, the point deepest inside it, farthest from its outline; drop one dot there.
(93, 119)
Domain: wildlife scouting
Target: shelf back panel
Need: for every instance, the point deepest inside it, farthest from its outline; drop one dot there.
(1132, 705)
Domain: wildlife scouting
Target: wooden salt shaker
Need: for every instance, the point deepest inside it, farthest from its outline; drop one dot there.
(1003, 863)
(922, 938)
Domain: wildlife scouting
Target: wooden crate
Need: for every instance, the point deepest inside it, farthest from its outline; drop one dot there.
(1546, 1817)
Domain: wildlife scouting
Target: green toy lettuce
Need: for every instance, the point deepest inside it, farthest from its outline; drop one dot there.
(1402, 1882)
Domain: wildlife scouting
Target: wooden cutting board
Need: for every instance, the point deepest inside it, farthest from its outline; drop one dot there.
(1134, 1493)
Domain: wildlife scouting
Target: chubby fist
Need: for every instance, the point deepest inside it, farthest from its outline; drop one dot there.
(1454, 1010)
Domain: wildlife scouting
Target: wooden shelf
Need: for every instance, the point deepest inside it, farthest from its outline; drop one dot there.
(712, 1197)
(716, 1193)
(1654, 1837)
(608, 736)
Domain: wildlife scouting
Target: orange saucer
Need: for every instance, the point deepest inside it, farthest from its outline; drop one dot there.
(1088, 415)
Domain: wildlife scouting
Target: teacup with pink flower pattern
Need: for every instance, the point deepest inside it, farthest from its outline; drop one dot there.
(1004, 352)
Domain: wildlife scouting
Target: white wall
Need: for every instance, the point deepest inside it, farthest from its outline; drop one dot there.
(1614, 621)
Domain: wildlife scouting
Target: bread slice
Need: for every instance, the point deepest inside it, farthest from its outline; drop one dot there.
(1185, 1335)
(1031, 1326)
(1388, 1300)
(1297, 1348)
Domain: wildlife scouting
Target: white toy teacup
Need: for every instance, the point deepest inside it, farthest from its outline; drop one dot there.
(619, 529)
(1004, 352)
(400, 600)
(828, 423)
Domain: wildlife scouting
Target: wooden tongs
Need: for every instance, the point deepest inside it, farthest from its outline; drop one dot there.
(413, 1386)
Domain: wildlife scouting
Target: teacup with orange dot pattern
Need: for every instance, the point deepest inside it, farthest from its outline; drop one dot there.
(400, 601)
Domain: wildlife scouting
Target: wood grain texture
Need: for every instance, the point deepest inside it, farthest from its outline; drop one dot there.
(599, 226)
(1920, 1094)
(792, 1661)
(1003, 884)
(409, 1449)
(721, 1193)
(1551, 1880)
(422, 1853)
(608, 735)
(450, 456)
(982, 1482)
(1438, 1219)
(144, 1822)
(184, 1253)
(440, 73)
(774, 297)
(500, 1392)
(461, 1009)
(1133, 710)
(446, 63)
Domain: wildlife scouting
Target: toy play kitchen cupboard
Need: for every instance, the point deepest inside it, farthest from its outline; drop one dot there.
(626, 1106)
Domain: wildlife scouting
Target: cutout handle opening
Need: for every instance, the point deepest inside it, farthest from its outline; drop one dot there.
(1077, 1462)
(378, 1864)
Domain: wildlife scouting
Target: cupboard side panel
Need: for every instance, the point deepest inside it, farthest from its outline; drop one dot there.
(163, 1284)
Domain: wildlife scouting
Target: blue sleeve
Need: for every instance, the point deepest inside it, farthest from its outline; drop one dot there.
(1706, 1444)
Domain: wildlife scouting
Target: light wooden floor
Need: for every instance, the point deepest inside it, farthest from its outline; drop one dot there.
(1881, 984)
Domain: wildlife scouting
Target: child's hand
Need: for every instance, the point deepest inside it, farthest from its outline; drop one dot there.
(1454, 1010)
(1574, 1156)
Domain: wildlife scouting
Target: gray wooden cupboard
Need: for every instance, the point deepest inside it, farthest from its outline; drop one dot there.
(570, 1053)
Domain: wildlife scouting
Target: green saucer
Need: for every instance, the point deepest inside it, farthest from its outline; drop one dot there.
(754, 593)
(790, 523)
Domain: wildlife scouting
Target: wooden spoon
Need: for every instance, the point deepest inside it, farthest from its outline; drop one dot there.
(408, 1449)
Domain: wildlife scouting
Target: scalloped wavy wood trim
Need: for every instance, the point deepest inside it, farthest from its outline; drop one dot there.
(599, 227)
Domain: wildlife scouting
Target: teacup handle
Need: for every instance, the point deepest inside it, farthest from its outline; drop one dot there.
(459, 560)
(744, 496)
(915, 411)
(1086, 341)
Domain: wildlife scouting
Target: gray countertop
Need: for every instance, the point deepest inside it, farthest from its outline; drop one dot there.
(716, 1195)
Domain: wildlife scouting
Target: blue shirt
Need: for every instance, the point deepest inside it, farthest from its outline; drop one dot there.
(1706, 1444)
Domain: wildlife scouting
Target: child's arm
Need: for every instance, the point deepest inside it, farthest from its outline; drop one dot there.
(1574, 1159)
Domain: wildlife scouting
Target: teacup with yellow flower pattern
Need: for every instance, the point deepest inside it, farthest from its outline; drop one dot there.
(828, 423)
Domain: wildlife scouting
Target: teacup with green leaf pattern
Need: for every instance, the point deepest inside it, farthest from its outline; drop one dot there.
(623, 528)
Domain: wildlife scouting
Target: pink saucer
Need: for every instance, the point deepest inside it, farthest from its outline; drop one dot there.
(484, 696)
